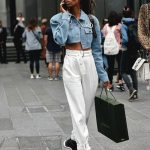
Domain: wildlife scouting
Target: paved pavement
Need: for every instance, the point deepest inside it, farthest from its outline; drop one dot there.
(34, 114)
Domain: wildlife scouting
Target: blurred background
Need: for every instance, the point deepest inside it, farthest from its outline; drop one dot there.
(9, 9)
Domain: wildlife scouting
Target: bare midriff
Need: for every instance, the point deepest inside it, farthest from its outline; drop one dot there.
(76, 46)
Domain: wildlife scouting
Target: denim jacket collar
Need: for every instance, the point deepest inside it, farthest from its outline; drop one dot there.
(82, 16)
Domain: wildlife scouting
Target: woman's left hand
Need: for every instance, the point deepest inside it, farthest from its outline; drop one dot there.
(61, 7)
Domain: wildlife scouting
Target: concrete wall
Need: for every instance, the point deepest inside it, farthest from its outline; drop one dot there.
(20, 6)
(31, 9)
(36, 9)
(3, 12)
(49, 8)
(103, 7)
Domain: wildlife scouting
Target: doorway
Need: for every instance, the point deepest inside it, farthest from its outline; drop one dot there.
(11, 14)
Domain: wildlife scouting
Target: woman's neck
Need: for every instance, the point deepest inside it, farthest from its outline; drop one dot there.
(76, 12)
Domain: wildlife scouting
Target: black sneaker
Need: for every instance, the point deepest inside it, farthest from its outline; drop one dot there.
(70, 144)
(120, 87)
(135, 97)
(132, 93)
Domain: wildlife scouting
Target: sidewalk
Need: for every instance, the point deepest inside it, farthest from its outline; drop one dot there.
(34, 114)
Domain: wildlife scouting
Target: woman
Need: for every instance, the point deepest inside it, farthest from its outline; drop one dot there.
(144, 30)
(18, 31)
(113, 23)
(72, 28)
(144, 26)
(32, 36)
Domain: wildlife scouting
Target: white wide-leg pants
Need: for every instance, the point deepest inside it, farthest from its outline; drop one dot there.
(80, 82)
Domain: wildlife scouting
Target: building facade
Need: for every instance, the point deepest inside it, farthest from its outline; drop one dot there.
(39, 9)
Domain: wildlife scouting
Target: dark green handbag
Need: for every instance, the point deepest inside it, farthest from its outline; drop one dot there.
(111, 119)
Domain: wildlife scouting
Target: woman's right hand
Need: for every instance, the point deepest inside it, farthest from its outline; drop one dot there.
(61, 7)
(105, 84)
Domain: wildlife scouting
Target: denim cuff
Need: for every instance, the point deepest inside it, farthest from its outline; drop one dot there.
(104, 79)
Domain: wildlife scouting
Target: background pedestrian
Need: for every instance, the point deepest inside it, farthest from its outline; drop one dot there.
(3, 37)
(18, 31)
(130, 46)
(112, 26)
(33, 36)
(53, 56)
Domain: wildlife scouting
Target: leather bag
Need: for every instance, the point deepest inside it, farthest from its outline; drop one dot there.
(111, 118)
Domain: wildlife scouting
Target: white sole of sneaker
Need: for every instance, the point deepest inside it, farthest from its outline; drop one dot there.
(32, 77)
(131, 96)
(50, 79)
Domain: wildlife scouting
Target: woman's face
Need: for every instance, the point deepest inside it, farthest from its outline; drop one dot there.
(71, 3)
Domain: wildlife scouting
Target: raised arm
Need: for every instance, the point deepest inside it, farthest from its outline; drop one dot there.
(60, 27)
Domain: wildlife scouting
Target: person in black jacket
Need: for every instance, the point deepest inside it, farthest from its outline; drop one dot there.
(3, 37)
(130, 53)
(53, 56)
(18, 31)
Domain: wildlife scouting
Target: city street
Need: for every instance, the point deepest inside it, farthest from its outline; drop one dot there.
(34, 114)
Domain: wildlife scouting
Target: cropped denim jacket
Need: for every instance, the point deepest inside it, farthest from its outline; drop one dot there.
(67, 29)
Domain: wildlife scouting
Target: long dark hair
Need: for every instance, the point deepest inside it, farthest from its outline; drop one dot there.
(87, 6)
(32, 24)
(113, 18)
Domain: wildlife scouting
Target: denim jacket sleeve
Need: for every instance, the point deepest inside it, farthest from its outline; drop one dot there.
(97, 53)
(60, 27)
(124, 35)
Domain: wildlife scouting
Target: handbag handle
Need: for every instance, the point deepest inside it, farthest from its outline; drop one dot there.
(38, 39)
(107, 94)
